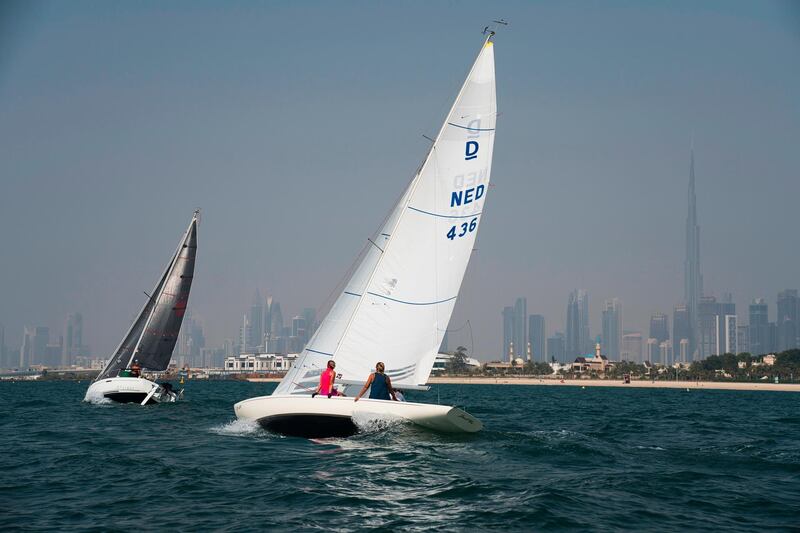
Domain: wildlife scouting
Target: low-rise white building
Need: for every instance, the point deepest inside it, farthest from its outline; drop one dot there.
(443, 360)
(272, 363)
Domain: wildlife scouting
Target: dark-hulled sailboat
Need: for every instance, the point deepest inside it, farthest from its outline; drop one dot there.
(149, 343)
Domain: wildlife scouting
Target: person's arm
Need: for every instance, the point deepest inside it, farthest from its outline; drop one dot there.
(365, 387)
(391, 389)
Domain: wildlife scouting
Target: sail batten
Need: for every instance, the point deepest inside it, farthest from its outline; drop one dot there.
(397, 304)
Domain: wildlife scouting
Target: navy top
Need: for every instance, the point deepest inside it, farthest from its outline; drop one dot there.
(379, 389)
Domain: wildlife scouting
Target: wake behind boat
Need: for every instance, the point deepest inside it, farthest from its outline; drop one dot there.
(397, 304)
(149, 343)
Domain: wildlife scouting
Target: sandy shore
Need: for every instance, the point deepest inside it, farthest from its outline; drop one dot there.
(710, 385)
(507, 380)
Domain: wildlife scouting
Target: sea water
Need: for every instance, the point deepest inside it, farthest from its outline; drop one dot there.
(549, 458)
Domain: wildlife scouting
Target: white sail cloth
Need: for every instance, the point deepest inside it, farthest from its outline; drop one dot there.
(397, 304)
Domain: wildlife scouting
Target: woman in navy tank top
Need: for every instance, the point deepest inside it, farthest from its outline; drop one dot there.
(379, 385)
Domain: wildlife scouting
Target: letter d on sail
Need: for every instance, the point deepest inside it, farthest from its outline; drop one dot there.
(472, 150)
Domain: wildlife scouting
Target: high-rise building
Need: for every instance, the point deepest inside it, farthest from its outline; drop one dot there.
(578, 341)
(255, 318)
(310, 316)
(728, 340)
(787, 319)
(244, 334)
(715, 335)
(267, 329)
(665, 353)
(659, 327)
(192, 342)
(759, 329)
(684, 351)
(556, 348)
(681, 328)
(631, 347)
(587, 345)
(34, 346)
(73, 339)
(277, 320)
(520, 334)
(299, 329)
(652, 353)
(508, 332)
(743, 339)
(693, 279)
(536, 337)
(612, 328)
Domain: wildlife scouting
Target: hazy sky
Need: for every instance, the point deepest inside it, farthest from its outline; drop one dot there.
(296, 125)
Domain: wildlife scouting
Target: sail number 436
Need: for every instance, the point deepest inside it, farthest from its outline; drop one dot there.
(465, 228)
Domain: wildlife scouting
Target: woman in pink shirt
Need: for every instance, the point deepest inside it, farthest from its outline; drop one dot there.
(326, 382)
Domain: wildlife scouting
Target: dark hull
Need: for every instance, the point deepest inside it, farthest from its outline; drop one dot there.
(310, 426)
(129, 397)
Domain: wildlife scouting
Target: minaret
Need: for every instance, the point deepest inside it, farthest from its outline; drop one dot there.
(693, 280)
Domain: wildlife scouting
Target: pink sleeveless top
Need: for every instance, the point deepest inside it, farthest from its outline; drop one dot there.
(325, 382)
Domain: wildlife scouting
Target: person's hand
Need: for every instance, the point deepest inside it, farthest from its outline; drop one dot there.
(313, 394)
(356, 399)
(330, 394)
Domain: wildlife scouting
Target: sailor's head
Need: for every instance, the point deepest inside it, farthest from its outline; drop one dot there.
(331, 363)
(380, 367)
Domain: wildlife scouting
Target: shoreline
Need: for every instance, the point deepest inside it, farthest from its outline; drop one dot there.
(643, 384)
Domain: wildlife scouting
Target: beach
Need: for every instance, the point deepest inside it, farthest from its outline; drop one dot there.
(554, 382)
(705, 385)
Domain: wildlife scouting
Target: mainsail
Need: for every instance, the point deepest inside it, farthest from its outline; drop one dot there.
(396, 306)
(152, 336)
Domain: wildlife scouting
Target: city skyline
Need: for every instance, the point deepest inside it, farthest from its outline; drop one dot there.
(590, 166)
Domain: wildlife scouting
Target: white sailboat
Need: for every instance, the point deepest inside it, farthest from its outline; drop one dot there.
(397, 304)
(149, 342)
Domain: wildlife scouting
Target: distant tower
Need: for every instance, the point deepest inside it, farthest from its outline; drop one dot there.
(244, 334)
(578, 341)
(529, 352)
(511, 352)
(256, 321)
(612, 328)
(536, 337)
(73, 339)
(508, 330)
(659, 327)
(758, 329)
(555, 348)
(520, 324)
(787, 319)
(693, 279)
(681, 328)
(583, 319)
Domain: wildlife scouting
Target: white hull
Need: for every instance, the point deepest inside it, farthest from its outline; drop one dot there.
(321, 416)
(130, 390)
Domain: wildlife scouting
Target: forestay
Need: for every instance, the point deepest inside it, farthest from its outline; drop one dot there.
(152, 337)
(397, 304)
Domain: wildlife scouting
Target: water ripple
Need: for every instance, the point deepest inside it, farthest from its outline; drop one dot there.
(549, 458)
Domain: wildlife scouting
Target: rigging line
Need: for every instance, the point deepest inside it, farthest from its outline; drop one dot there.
(302, 386)
(375, 245)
